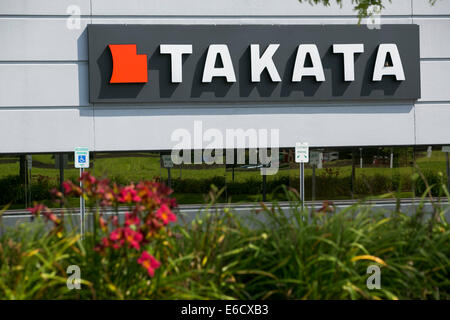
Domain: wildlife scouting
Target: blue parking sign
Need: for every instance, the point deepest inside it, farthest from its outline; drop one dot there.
(81, 157)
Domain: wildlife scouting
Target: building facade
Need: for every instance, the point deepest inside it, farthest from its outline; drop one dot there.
(44, 79)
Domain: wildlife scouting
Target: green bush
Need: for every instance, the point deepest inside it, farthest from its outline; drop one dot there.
(376, 184)
(401, 182)
(330, 184)
(119, 179)
(41, 187)
(250, 186)
(12, 189)
(273, 254)
(434, 180)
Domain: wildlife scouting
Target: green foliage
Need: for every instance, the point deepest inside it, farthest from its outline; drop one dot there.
(12, 189)
(331, 183)
(33, 263)
(376, 184)
(361, 6)
(434, 180)
(272, 254)
(313, 255)
(41, 187)
(247, 186)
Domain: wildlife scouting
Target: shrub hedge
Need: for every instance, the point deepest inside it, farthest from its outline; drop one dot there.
(329, 184)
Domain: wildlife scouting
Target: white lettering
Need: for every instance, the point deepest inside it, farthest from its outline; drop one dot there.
(176, 52)
(349, 50)
(210, 71)
(259, 63)
(299, 67)
(381, 69)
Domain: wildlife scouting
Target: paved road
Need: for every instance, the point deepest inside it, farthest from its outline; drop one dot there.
(188, 212)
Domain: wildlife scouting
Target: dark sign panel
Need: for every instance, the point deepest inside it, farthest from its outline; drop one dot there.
(252, 63)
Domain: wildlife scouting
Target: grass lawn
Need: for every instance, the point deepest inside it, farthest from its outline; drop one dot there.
(137, 166)
(147, 166)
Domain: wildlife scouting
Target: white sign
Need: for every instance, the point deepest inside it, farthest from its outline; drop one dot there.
(445, 148)
(301, 152)
(316, 158)
(82, 157)
(167, 161)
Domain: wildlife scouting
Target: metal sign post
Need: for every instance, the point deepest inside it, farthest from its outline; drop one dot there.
(302, 156)
(360, 158)
(302, 183)
(82, 162)
(169, 178)
(82, 207)
(168, 164)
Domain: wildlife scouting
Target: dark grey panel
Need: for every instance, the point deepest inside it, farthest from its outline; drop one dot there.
(159, 88)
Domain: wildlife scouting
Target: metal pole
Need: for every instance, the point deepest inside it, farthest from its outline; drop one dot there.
(414, 171)
(61, 172)
(169, 180)
(82, 207)
(302, 184)
(448, 171)
(313, 182)
(391, 162)
(360, 158)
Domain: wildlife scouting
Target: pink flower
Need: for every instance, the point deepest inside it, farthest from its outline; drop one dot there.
(165, 214)
(53, 218)
(133, 238)
(105, 242)
(56, 193)
(37, 209)
(87, 178)
(45, 211)
(116, 237)
(100, 247)
(131, 220)
(71, 189)
(67, 187)
(128, 194)
(149, 262)
(115, 234)
(117, 245)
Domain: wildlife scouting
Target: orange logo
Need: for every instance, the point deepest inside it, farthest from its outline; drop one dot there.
(128, 66)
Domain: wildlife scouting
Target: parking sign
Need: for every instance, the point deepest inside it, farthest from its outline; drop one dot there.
(81, 157)
(301, 152)
(167, 161)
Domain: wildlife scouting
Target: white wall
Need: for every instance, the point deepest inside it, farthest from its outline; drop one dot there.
(44, 104)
